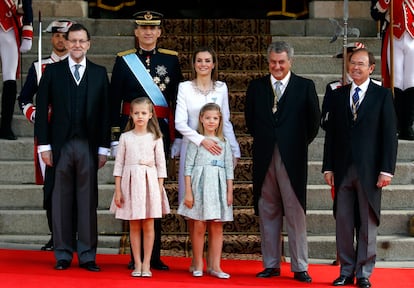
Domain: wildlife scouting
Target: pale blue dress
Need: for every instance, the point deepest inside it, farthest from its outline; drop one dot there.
(209, 174)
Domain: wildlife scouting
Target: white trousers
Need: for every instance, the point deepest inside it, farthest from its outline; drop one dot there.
(9, 53)
(403, 61)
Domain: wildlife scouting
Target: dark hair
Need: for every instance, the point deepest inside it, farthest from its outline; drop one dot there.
(214, 73)
(77, 27)
(371, 57)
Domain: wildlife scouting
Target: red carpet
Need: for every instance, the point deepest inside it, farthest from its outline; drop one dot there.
(34, 269)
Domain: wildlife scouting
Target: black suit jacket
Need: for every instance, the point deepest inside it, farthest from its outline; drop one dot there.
(293, 128)
(370, 143)
(53, 91)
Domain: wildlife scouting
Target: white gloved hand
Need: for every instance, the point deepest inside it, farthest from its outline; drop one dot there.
(114, 148)
(26, 45)
(176, 148)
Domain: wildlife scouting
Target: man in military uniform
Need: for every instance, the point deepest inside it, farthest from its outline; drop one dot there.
(58, 31)
(134, 74)
(16, 33)
(403, 53)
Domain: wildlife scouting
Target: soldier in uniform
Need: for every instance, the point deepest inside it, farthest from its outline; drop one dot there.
(134, 74)
(403, 53)
(58, 31)
(16, 33)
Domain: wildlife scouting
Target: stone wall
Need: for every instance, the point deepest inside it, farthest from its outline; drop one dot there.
(335, 9)
(317, 8)
(60, 8)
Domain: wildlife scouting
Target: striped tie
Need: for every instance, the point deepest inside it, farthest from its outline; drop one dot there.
(76, 73)
(355, 102)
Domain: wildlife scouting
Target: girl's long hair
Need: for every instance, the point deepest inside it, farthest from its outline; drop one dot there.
(153, 125)
(211, 107)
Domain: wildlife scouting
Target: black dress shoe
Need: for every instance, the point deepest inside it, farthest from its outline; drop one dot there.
(90, 266)
(48, 246)
(7, 134)
(363, 283)
(62, 265)
(343, 280)
(302, 277)
(159, 265)
(268, 272)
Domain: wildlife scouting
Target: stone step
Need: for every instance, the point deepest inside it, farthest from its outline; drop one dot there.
(184, 45)
(244, 66)
(307, 27)
(319, 222)
(389, 248)
(22, 172)
(30, 196)
(23, 147)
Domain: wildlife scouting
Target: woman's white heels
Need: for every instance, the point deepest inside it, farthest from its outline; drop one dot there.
(197, 273)
(221, 275)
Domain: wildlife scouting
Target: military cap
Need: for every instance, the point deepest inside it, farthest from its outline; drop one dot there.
(350, 47)
(59, 26)
(148, 18)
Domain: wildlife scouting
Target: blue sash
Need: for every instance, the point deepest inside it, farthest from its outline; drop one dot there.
(145, 79)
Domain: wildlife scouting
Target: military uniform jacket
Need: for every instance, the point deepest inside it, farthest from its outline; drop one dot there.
(164, 67)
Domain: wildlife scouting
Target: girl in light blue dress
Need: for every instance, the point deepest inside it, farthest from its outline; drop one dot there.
(208, 198)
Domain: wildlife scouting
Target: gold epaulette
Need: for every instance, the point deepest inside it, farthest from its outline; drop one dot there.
(168, 51)
(126, 52)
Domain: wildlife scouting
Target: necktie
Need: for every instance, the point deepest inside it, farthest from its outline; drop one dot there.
(278, 93)
(355, 102)
(76, 73)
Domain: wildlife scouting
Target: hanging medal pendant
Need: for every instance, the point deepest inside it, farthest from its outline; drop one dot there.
(147, 61)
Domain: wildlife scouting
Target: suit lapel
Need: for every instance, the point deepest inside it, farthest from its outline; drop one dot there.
(366, 103)
(68, 79)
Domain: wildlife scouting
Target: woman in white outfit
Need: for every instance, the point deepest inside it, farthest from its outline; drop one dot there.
(192, 95)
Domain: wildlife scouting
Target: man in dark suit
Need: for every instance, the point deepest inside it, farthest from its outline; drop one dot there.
(282, 114)
(359, 159)
(26, 100)
(148, 71)
(74, 144)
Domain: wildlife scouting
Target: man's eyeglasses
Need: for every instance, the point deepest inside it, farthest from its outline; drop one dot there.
(81, 42)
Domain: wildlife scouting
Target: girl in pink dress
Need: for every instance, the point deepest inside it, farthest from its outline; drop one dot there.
(139, 173)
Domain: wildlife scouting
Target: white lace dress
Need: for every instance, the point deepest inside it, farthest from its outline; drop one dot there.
(140, 161)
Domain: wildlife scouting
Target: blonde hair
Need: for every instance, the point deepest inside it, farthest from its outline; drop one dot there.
(211, 107)
(153, 125)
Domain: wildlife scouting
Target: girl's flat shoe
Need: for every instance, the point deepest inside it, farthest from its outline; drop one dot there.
(197, 273)
(136, 273)
(221, 275)
(146, 274)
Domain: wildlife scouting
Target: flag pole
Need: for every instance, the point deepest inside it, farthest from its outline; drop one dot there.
(39, 50)
(345, 40)
(391, 41)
